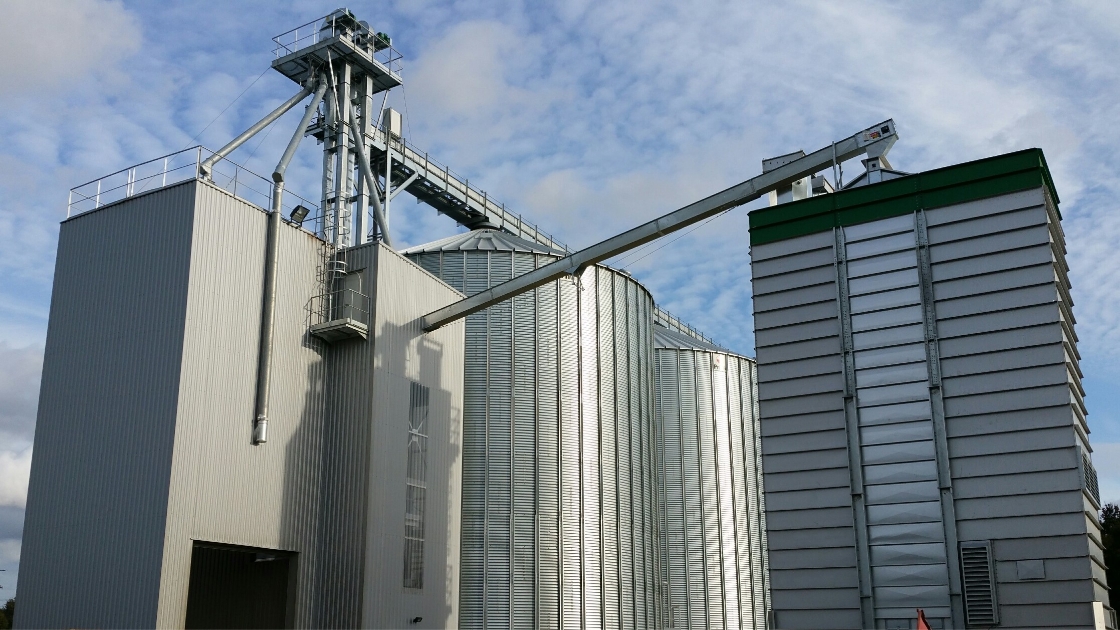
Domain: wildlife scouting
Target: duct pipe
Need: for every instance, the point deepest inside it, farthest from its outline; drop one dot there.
(268, 309)
(363, 163)
(209, 162)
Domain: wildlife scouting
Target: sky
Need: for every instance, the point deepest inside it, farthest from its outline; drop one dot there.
(586, 117)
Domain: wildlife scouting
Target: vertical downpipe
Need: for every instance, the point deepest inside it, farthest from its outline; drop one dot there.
(268, 308)
(268, 314)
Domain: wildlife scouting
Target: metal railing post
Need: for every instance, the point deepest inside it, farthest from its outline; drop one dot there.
(97, 199)
(164, 183)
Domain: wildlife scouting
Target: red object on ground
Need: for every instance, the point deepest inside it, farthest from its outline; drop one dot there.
(922, 623)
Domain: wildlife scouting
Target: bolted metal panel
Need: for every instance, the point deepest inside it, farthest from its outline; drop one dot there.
(712, 531)
(557, 419)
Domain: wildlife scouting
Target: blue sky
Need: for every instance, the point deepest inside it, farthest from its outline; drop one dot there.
(587, 117)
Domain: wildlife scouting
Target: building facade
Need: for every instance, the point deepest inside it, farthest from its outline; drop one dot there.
(150, 506)
(924, 434)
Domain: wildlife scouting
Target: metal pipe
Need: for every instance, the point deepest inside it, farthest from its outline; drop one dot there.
(363, 164)
(871, 140)
(301, 130)
(268, 308)
(206, 165)
(268, 315)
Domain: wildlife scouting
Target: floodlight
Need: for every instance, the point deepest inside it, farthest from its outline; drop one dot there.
(299, 213)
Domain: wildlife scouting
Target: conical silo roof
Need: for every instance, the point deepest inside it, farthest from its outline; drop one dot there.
(484, 240)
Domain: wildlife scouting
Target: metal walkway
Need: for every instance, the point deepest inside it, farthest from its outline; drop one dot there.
(435, 185)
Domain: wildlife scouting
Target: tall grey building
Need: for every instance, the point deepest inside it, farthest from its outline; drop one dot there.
(150, 502)
(925, 442)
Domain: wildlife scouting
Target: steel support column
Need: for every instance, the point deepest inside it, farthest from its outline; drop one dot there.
(851, 426)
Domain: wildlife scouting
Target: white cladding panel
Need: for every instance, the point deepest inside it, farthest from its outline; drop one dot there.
(105, 430)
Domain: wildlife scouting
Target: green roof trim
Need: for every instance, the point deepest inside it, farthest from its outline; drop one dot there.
(946, 186)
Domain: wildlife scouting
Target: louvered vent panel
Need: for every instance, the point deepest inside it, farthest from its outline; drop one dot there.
(979, 584)
(1090, 475)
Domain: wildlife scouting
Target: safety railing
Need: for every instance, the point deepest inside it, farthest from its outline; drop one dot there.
(337, 305)
(344, 24)
(181, 166)
(672, 322)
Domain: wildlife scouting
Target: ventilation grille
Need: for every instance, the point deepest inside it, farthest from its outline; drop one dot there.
(1090, 474)
(979, 584)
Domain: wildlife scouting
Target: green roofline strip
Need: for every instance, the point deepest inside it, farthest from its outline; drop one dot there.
(951, 185)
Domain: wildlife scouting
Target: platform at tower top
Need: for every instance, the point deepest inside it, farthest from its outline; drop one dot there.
(338, 38)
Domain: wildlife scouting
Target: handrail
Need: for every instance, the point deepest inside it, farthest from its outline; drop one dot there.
(175, 168)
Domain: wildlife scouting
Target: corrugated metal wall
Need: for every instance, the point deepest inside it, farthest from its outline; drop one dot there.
(93, 537)
(1014, 405)
(403, 354)
(959, 418)
(713, 528)
(144, 439)
(223, 489)
(559, 499)
(810, 519)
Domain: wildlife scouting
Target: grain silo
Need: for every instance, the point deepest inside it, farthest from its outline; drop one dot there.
(713, 521)
(560, 508)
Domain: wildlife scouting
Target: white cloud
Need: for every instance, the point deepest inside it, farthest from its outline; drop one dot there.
(47, 44)
(9, 554)
(1106, 459)
(15, 471)
(19, 396)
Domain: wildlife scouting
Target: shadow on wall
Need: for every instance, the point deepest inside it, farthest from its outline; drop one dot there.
(347, 464)
(301, 499)
(404, 354)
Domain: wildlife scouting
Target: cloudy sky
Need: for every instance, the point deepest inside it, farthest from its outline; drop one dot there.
(587, 117)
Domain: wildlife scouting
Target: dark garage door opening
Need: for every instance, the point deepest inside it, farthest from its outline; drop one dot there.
(240, 587)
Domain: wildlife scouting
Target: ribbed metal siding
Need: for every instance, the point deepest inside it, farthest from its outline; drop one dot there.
(97, 499)
(1014, 405)
(909, 559)
(987, 328)
(584, 406)
(402, 354)
(220, 483)
(809, 518)
(712, 487)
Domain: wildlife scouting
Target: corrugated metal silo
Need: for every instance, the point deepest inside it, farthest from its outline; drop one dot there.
(559, 471)
(713, 529)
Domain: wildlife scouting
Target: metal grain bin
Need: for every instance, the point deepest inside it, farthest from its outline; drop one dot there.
(713, 523)
(559, 466)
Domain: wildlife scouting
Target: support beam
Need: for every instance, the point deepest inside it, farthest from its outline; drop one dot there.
(691, 214)
(208, 164)
(405, 184)
(371, 181)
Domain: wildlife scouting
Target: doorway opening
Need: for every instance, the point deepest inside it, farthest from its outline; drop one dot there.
(240, 587)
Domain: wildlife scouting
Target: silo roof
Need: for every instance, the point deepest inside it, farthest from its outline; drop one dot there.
(668, 338)
(960, 183)
(484, 240)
